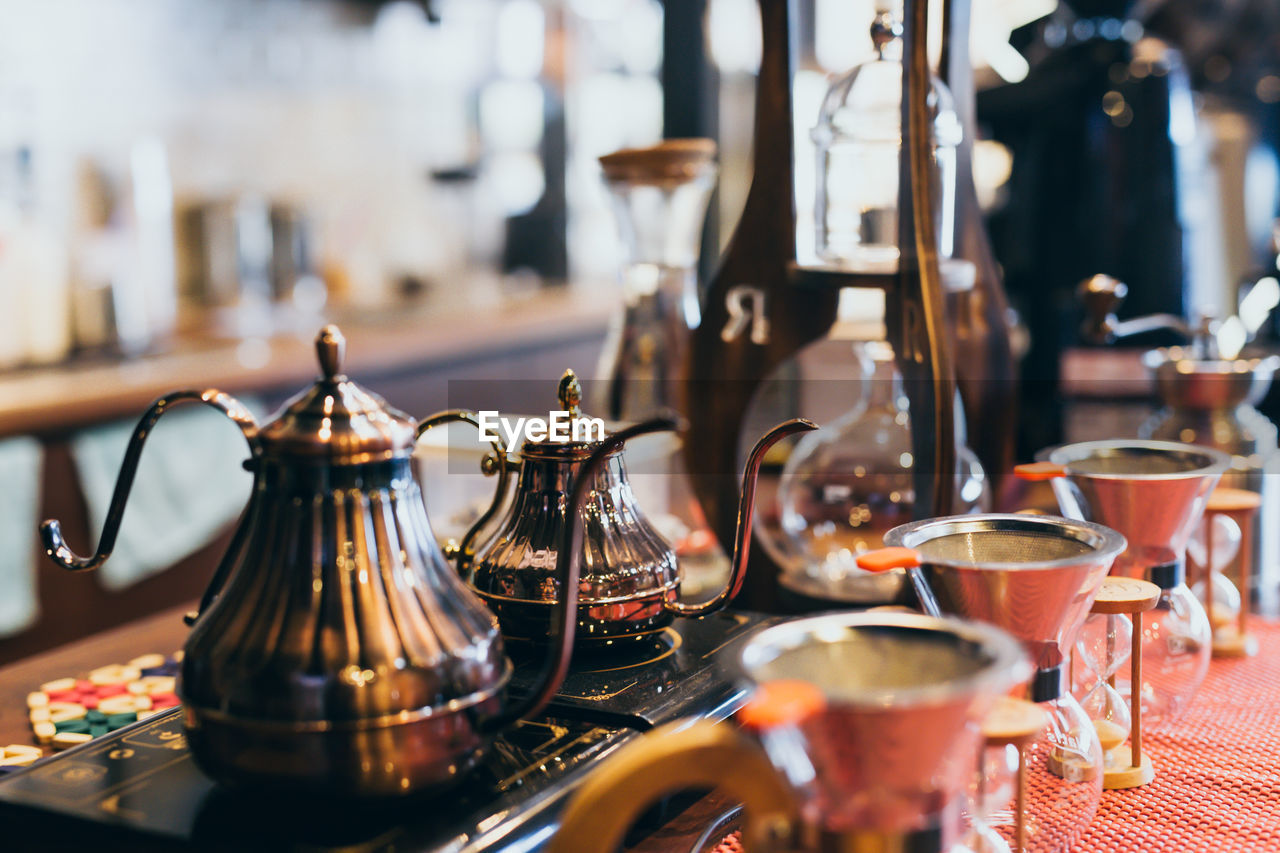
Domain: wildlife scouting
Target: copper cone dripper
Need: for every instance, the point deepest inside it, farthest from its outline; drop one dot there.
(1152, 492)
(892, 744)
(1035, 576)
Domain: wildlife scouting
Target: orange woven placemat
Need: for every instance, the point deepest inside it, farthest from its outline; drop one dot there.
(1217, 785)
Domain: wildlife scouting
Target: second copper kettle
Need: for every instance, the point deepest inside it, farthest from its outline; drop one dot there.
(630, 581)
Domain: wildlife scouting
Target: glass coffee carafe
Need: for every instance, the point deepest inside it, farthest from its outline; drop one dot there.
(659, 196)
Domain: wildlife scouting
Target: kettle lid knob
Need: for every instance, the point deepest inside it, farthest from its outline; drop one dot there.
(331, 349)
(570, 394)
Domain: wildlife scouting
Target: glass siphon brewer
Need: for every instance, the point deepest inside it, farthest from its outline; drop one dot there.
(847, 484)
(858, 141)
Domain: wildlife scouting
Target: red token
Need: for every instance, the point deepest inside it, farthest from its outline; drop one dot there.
(89, 702)
(65, 696)
(164, 700)
(84, 684)
(112, 690)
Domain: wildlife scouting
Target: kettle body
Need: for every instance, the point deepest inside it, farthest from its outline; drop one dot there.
(568, 491)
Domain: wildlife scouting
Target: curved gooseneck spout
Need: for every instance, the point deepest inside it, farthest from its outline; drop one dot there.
(51, 530)
(746, 514)
(564, 612)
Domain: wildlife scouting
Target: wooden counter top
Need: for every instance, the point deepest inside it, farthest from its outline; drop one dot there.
(55, 399)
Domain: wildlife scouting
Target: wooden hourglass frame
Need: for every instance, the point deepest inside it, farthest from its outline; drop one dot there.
(1127, 768)
(1241, 506)
(1017, 723)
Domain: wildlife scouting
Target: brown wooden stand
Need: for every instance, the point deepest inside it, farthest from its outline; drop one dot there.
(761, 307)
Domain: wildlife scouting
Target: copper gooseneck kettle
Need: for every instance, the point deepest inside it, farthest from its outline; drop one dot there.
(630, 580)
(336, 651)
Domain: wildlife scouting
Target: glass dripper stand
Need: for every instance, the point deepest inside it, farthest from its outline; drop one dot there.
(1036, 577)
(1126, 767)
(1231, 637)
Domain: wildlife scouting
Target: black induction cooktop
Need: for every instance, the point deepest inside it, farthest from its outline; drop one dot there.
(138, 789)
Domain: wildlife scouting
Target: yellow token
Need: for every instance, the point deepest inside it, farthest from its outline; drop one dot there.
(177, 656)
(63, 740)
(148, 662)
(105, 676)
(154, 684)
(39, 715)
(39, 699)
(59, 685)
(62, 711)
(121, 704)
(20, 755)
(44, 732)
(142, 703)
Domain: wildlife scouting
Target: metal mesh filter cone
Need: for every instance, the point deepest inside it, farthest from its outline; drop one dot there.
(1138, 462)
(846, 662)
(894, 742)
(1033, 575)
(1152, 492)
(998, 545)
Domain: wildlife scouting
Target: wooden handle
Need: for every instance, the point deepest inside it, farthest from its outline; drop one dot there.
(885, 559)
(671, 758)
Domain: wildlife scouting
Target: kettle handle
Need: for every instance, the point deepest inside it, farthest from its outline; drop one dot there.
(564, 611)
(51, 530)
(496, 463)
(746, 514)
(676, 756)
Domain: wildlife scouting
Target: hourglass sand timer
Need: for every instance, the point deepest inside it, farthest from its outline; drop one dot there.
(1231, 637)
(1225, 539)
(1102, 652)
(1008, 729)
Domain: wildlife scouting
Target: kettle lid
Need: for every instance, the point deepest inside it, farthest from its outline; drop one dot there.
(584, 433)
(336, 419)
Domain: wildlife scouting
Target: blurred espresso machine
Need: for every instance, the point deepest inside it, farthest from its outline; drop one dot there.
(1108, 177)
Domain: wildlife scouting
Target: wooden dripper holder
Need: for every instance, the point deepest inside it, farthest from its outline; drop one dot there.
(1133, 597)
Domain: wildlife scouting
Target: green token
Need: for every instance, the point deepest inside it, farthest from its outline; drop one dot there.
(95, 717)
(98, 729)
(80, 726)
(118, 721)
